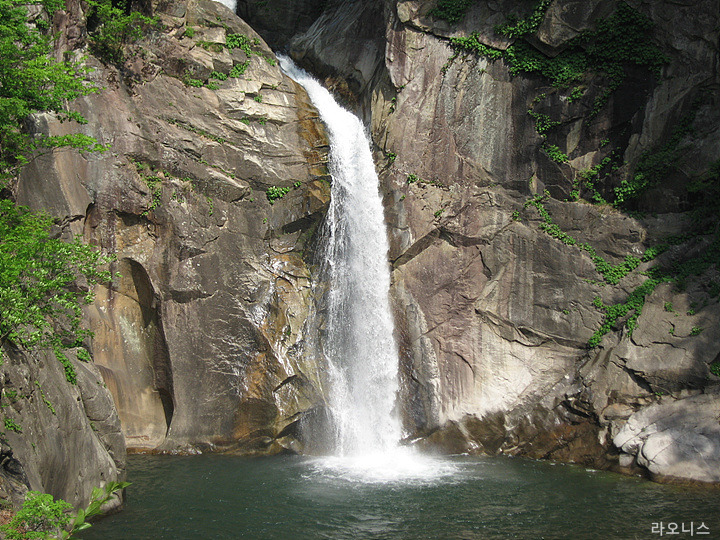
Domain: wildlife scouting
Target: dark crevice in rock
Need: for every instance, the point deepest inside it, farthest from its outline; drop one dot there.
(288, 380)
(636, 377)
(183, 297)
(418, 247)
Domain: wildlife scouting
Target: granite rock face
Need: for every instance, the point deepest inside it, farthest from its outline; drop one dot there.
(494, 315)
(200, 337)
(65, 439)
(667, 437)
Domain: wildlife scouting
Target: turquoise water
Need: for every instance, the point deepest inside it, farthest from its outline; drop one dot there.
(293, 497)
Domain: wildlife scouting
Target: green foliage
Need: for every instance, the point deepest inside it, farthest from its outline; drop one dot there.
(44, 518)
(189, 32)
(669, 307)
(12, 425)
(270, 60)
(543, 123)
(451, 10)
(576, 94)
(40, 300)
(219, 76)
(32, 81)
(655, 165)
(189, 81)
(116, 29)
(47, 402)
(274, 193)
(715, 369)
(521, 27)
(238, 70)
(555, 153)
(391, 157)
(211, 46)
(611, 274)
(258, 98)
(40, 517)
(696, 330)
(438, 213)
(587, 178)
(632, 306)
(620, 40)
(412, 178)
(239, 41)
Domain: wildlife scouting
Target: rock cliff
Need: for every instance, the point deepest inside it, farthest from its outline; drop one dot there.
(550, 203)
(209, 198)
(555, 278)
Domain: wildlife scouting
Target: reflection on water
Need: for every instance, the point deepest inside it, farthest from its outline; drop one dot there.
(293, 497)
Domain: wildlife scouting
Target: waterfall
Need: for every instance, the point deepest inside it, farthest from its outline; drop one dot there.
(358, 343)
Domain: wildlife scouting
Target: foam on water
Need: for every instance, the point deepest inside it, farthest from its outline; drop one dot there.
(402, 465)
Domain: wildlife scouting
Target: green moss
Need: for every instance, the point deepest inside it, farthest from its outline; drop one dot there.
(451, 10)
(621, 40)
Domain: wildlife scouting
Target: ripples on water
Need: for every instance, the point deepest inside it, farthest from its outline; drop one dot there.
(293, 497)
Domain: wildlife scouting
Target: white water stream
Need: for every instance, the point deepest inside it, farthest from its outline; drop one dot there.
(358, 343)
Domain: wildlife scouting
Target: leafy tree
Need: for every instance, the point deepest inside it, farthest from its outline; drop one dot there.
(40, 300)
(31, 81)
(116, 26)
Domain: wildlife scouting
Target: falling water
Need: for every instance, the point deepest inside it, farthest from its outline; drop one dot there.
(359, 345)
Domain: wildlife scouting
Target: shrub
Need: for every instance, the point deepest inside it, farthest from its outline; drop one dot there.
(116, 29)
(274, 192)
(44, 518)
